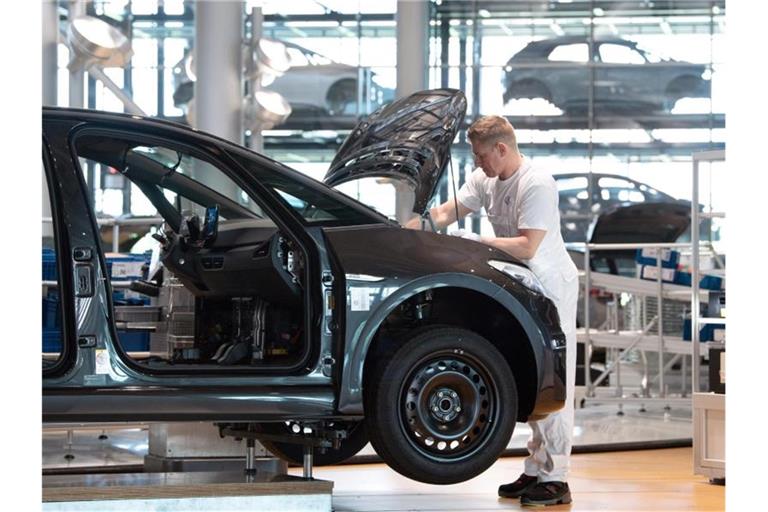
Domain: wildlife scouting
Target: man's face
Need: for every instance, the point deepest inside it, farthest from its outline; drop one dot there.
(487, 157)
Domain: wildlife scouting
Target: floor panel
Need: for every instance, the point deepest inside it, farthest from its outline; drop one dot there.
(647, 480)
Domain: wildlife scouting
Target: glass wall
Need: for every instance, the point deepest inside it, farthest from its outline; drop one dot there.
(628, 89)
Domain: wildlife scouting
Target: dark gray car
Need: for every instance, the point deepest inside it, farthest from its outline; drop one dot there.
(628, 79)
(294, 305)
(583, 196)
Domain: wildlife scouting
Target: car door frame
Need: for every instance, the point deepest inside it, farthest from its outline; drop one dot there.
(121, 374)
(68, 354)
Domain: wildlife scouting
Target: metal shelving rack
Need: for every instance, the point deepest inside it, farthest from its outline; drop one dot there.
(643, 340)
(697, 320)
(708, 408)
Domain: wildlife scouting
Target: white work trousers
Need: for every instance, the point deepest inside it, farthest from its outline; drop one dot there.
(550, 443)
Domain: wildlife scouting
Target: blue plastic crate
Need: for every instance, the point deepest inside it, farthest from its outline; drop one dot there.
(51, 318)
(51, 340)
(706, 282)
(129, 298)
(650, 273)
(49, 265)
(706, 332)
(134, 341)
(647, 256)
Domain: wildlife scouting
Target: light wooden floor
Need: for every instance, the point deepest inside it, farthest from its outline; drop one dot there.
(649, 480)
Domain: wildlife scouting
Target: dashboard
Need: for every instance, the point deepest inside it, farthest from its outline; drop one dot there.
(249, 257)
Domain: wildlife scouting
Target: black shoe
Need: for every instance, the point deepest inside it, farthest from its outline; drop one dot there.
(518, 487)
(547, 493)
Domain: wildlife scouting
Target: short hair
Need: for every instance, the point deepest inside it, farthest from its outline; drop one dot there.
(493, 129)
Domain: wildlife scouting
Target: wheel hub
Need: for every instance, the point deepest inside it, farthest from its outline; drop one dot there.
(445, 404)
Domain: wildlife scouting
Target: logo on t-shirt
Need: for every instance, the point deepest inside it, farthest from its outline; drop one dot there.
(507, 200)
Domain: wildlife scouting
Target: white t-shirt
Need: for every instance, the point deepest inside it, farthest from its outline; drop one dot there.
(526, 200)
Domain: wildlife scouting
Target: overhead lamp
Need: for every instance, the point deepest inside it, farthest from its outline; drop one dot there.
(265, 109)
(94, 45)
(272, 59)
(94, 41)
(484, 13)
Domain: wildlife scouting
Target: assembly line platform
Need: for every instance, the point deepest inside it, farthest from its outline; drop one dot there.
(213, 491)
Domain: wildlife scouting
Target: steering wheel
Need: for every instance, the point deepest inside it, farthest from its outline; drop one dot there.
(190, 231)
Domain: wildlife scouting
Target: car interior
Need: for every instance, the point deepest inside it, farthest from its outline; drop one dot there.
(229, 289)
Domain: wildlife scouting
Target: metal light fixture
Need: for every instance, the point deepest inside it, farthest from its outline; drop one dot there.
(265, 109)
(94, 45)
(272, 60)
(94, 41)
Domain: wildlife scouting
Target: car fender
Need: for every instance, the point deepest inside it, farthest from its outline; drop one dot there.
(351, 385)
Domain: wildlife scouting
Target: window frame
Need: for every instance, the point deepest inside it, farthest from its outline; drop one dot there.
(304, 363)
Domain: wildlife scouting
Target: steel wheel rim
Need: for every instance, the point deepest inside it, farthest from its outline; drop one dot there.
(429, 397)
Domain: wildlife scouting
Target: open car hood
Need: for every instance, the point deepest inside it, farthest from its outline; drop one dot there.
(408, 140)
(642, 223)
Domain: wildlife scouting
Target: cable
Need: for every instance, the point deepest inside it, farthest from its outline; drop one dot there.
(453, 182)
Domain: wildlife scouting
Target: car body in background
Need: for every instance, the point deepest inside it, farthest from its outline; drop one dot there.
(628, 79)
(647, 222)
(323, 94)
(577, 212)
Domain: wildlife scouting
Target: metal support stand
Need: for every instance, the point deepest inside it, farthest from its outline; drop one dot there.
(69, 455)
(308, 462)
(250, 453)
(250, 457)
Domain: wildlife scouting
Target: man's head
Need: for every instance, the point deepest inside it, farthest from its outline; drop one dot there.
(494, 146)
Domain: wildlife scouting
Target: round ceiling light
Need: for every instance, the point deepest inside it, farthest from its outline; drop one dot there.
(94, 41)
(272, 57)
(267, 109)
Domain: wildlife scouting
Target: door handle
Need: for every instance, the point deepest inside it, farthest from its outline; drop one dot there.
(84, 280)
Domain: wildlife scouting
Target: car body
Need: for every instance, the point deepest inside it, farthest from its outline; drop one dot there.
(578, 213)
(323, 94)
(641, 223)
(627, 80)
(309, 308)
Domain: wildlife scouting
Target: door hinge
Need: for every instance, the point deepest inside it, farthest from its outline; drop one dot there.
(328, 362)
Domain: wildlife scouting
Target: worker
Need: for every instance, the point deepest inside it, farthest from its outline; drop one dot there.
(522, 206)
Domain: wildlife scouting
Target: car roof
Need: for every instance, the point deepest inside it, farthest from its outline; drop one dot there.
(546, 45)
(593, 174)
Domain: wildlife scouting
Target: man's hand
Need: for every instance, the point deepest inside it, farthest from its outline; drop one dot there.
(466, 234)
(414, 223)
(442, 216)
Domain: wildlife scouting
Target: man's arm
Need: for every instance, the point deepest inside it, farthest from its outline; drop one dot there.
(523, 247)
(443, 215)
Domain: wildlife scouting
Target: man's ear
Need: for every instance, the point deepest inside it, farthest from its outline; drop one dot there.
(503, 148)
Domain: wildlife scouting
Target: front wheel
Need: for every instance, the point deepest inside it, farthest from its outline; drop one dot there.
(442, 409)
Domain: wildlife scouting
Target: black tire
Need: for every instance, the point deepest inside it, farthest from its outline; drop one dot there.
(469, 382)
(294, 453)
